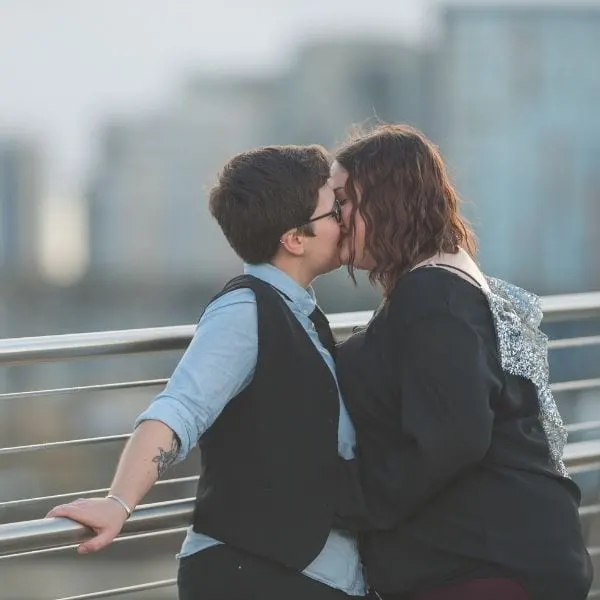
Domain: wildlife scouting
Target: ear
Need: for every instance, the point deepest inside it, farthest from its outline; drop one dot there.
(293, 242)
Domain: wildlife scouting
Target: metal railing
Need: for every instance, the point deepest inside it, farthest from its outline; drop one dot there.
(27, 538)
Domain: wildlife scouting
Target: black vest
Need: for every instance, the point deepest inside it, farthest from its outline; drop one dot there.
(269, 460)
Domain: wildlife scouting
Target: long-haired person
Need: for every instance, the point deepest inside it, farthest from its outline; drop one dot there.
(459, 439)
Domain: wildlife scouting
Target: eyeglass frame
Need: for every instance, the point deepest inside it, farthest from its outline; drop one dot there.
(335, 212)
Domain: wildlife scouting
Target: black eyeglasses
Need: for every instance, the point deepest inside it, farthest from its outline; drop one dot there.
(335, 212)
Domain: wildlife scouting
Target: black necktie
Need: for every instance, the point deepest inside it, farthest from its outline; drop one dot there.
(321, 324)
(323, 330)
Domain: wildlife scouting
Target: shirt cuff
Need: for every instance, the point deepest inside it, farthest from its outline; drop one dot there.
(174, 420)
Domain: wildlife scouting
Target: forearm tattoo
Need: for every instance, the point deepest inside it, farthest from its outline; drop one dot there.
(166, 458)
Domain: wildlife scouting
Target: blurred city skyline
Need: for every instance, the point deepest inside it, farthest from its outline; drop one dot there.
(68, 66)
(116, 120)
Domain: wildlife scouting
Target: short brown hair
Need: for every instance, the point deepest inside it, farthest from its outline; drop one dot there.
(410, 209)
(263, 193)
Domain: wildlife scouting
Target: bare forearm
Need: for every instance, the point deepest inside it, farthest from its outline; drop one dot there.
(150, 451)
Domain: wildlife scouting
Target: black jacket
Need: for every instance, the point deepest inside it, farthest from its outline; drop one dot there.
(454, 462)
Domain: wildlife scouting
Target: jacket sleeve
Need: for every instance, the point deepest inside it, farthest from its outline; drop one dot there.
(443, 380)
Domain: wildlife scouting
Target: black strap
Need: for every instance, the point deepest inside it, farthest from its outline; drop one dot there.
(456, 269)
(323, 330)
(321, 324)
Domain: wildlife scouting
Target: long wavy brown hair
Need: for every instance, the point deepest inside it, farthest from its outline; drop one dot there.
(398, 182)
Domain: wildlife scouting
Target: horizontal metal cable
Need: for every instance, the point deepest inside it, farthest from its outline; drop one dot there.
(589, 510)
(582, 454)
(592, 340)
(64, 444)
(131, 341)
(122, 538)
(26, 536)
(46, 533)
(83, 442)
(71, 443)
(144, 383)
(557, 387)
(575, 385)
(60, 497)
(585, 468)
(142, 587)
(104, 387)
(581, 427)
(560, 307)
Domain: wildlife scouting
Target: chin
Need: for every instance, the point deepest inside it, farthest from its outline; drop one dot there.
(344, 257)
(359, 264)
(345, 261)
(344, 252)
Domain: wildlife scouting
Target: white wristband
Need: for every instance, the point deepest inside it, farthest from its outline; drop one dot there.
(122, 502)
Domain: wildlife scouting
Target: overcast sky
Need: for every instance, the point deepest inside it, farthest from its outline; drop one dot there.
(65, 65)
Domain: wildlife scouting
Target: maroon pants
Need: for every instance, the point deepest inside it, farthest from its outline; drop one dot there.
(478, 589)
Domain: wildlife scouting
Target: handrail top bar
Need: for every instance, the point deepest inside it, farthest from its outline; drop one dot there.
(98, 343)
(39, 534)
(72, 346)
(558, 307)
(129, 341)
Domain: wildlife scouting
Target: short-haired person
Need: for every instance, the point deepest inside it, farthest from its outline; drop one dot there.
(257, 388)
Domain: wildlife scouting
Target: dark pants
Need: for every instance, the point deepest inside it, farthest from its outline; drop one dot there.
(478, 589)
(224, 573)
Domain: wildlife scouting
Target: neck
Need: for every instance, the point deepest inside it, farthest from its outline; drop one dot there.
(460, 259)
(295, 270)
(441, 257)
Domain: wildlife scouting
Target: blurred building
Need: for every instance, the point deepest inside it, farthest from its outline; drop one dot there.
(336, 83)
(150, 228)
(20, 172)
(518, 92)
(149, 217)
(148, 199)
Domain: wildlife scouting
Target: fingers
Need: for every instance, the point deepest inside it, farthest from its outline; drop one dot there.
(63, 510)
(74, 510)
(87, 511)
(96, 543)
(104, 517)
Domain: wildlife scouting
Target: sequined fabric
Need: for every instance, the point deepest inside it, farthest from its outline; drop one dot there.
(523, 350)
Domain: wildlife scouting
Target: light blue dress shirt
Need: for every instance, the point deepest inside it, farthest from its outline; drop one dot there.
(218, 364)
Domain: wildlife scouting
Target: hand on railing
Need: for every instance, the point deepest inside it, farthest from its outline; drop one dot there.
(103, 516)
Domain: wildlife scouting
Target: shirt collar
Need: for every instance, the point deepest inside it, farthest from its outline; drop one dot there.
(303, 299)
